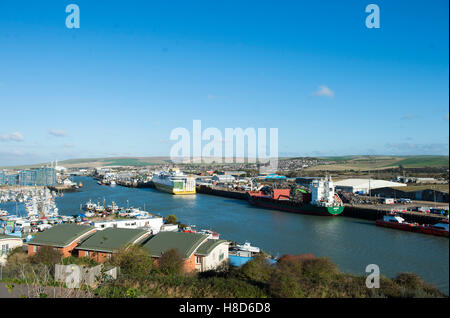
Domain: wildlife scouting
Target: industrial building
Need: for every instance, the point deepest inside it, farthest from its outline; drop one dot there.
(223, 178)
(362, 186)
(414, 193)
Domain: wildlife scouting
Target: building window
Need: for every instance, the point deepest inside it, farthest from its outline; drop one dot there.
(86, 253)
(221, 256)
(5, 249)
(198, 260)
(34, 248)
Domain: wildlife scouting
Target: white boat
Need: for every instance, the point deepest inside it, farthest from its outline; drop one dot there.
(112, 208)
(99, 208)
(3, 213)
(113, 183)
(211, 234)
(90, 206)
(248, 248)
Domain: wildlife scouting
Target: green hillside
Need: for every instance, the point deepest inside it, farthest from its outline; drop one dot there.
(422, 161)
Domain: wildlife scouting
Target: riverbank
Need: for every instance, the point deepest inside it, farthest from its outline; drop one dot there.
(364, 212)
(351, 243)
(373, 213)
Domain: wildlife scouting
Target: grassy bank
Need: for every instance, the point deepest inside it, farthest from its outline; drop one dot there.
(290, 277)
(303, 276)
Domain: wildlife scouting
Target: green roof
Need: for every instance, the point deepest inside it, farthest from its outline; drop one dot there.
(111, 239)
(208, 246)
(60, 235)
(185, 243)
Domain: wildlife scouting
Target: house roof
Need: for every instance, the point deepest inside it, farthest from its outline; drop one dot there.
(185, 243)
(61, 235)
(4, 236)
(111, 239)
(208, 246)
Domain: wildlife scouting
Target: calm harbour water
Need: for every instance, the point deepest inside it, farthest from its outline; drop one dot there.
(350, 243)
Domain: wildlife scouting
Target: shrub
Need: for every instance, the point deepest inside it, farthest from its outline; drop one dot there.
(46, 255)
(86, 261)
(171, 262)
(135, 262)
(285, 279)
(258, 269)
(319, 270)
(411, 285)
(409, 280)
(307, 277)
(171, 219)
(17, 256)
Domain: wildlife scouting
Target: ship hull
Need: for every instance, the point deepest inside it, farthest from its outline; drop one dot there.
(398, 226)
(412, 228)
(169, 189)
(431, 231)
(295, 208)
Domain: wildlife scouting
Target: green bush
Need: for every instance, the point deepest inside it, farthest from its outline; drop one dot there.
(171, 219)
(134, 262)
(258, 269)
(291, 277)
(46, 255)
(171, 262)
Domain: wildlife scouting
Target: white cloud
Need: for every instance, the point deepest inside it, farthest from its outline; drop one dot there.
(57, 133)
(210, 96)
(15, 136)
(324, 91)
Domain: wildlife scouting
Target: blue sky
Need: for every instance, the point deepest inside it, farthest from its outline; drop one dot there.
(135, 70)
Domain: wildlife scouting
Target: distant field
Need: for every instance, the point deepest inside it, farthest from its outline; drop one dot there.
(334, 163)
(381, 162)
(339, 159)
(129, 162)
(101, 162)
(423, 161)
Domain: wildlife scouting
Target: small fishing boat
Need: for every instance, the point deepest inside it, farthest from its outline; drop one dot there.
(211, 234)
(394, 221)
(89, 206)
(247, 247)
(190, 229)
(438, 229)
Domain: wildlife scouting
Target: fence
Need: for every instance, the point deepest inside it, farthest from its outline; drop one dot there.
(27, 273)
(37, 281)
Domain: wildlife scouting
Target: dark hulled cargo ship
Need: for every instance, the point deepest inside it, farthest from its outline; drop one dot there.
(319, 200)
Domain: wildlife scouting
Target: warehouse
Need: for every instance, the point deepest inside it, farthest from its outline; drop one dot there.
(362, 186)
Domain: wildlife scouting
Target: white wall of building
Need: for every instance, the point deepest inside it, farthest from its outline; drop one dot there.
(7, 244)
(154, 224)
(355, 185)
(212, 260)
